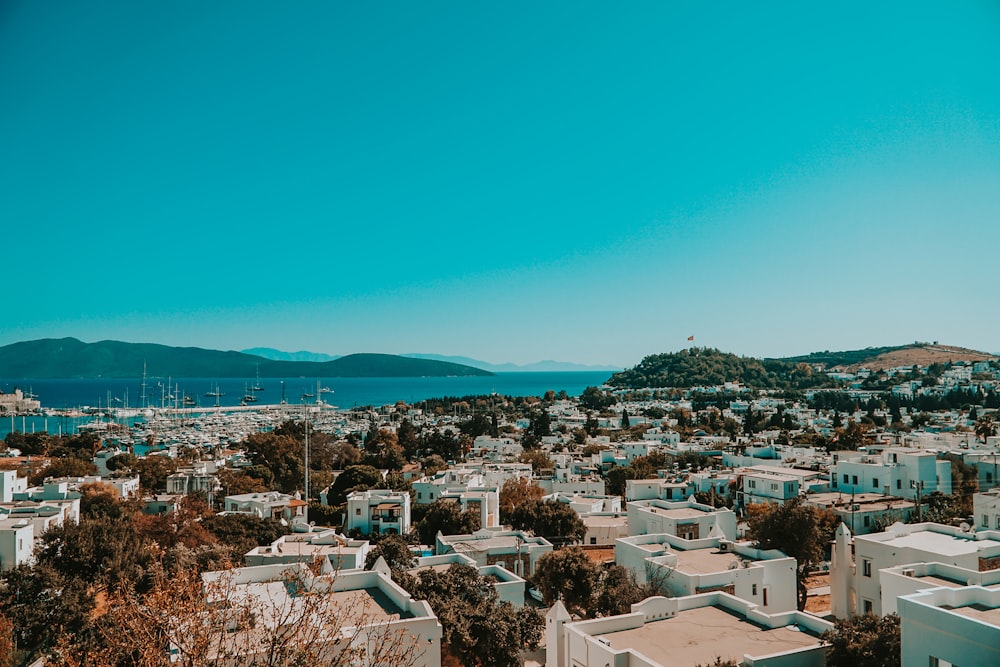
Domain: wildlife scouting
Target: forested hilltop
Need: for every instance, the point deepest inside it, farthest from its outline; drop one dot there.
(702, 366)
(72, 358)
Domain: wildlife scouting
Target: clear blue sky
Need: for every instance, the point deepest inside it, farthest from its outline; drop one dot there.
(588, 182)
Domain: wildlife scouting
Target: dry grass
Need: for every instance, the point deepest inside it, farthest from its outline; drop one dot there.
(922, 355)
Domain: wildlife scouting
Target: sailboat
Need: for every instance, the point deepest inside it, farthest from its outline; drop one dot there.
(248, 396)
(257, 385)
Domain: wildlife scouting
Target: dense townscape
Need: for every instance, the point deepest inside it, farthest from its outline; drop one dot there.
(698, 509)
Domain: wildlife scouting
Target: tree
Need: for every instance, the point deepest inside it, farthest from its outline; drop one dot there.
(396, 552)
(179, 622)
(243, 532)
(800, 531)
(985, 427)
(479, 630)
(70, 466)
(354, 478)
(567, 575)
(514, 493)
(555, 521)
(282, 453)
(43, 605)
(617, 591)
(153, 472)
(538, 459)
(102, 550)
(864, 641)
(625, 423)
(594, 399)
(446, 517)
(100, 499)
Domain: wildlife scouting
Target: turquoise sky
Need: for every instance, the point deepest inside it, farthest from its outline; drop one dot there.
(589, 182)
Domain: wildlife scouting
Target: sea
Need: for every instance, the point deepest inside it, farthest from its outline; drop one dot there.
(344, 393)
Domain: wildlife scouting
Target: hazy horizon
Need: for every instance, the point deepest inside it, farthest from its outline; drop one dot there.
(512, 183)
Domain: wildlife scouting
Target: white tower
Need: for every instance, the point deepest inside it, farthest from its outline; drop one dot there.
(842, 575)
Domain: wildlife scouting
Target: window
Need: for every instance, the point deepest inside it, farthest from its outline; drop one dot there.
(753, 590)
(989, 478)
(868, 606)
(854, 480)
(899, 483)
(357, 511)
(774, 487)
(420, 495)
(866, 567)
(868, 521)
(593, 540)
(986, 521)
(765, 596)
(846, 478)
(875, 483)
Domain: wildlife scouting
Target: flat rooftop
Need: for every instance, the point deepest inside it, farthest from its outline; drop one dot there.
(979, 612)
(705, 561)
(938, 543)
(698, 636)
(679, 514)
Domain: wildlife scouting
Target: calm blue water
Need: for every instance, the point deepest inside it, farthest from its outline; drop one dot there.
(346, 392)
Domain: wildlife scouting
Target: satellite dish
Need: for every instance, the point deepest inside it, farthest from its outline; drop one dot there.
(735, 565)
(964, 527)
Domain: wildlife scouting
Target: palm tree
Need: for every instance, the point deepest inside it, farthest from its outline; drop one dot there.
(985, 427)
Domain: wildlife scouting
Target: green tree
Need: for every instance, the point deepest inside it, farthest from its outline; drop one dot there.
(153, 472)
(354, 478)
(594, 399)
(985, 427)
(567, 575)
(800, 531)
(44, 605)
(514, 493)
(446, 517)
(69, 466)
(617, 591)
(625, 423)
(242, 532)
(478, 629)
(101, 550)
(864, 641)
(396, 552)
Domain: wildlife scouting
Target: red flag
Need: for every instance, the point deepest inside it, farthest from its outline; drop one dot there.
(690, 337)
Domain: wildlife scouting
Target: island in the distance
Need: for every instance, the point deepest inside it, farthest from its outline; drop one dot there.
(72, 358)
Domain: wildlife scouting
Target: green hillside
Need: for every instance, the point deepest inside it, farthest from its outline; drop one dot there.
(707, 367)
(72, 358)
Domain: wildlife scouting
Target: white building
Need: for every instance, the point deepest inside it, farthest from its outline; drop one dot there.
(340, 551)
(693, 630)
(373, 608)
(514, 550)
(681, 567)
(674, 488)
(899, 471)
(986, 510)
(865, 512)
(268, 505)
(903, 544)
(688, 519)
(768, 484)
(378, 511)
(950, 626)
(10, 484)
(17, 542)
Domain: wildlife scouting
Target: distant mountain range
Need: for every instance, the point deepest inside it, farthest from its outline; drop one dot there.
(538, 366)
(72, 358)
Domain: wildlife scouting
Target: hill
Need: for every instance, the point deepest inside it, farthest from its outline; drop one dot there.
(302, 355)
(880, 358)
(708, 367)
(72, 358)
